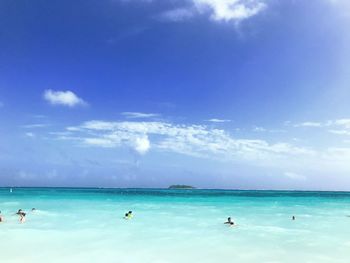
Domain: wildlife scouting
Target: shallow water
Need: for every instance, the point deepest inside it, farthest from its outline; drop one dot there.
(86, 225)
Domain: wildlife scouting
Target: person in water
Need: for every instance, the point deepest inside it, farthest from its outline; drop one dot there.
(293, 217)
(1, 218)
(22, 216)
(33, 209)
(20, 212)
(229, 222)
(128, 215)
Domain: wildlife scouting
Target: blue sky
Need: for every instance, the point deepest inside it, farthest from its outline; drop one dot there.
(249, 94)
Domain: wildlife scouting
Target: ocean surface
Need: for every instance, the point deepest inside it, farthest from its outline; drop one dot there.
(87, 225)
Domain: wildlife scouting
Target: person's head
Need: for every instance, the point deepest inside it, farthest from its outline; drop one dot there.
(130, 212)
(33, 209)
(126, 214)
(229, 219)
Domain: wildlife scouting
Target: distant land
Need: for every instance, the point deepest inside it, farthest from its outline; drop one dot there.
(181, 186)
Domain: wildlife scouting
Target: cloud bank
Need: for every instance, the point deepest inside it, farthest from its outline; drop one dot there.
(207, 142)
(192, 140)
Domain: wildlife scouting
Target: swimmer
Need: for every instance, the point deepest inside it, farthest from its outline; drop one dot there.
(1, 218)
(33, 209)
(128, 215)
(293, 217)
(22, 218)
(22, 215)
(19, 212)
(229, 222)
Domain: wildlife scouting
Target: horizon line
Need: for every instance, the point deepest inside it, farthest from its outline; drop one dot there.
(167, 188)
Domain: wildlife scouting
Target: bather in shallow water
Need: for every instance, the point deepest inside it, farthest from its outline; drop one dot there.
(229, 222)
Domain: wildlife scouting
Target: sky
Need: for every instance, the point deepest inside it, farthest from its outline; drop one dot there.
(233, 94)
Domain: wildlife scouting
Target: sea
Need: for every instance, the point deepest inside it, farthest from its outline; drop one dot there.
(174, 226)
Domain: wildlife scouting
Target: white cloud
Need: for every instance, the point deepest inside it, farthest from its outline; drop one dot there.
(193, 140)
(101, 142)
(178, 14)
(340, 132)
(115, 136)
(218, 120)
(338, 126)
(217, 10)
(229, 10)
(342, 127)
(343, 122)
(29, 134)
(139, 115)
(262, 129)
(39, 116)
(36, 125)
(259, 129)
(309, 124)
(202, 141)
(66, 98)
(142, 145)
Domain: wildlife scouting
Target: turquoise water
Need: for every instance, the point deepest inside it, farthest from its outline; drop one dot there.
(86, 225)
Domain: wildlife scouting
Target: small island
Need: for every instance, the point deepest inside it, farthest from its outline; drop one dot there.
(181, 186)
